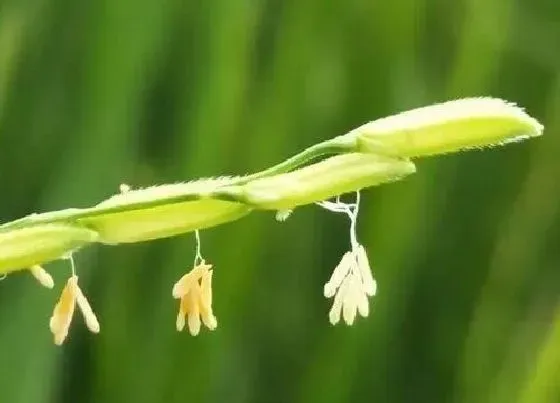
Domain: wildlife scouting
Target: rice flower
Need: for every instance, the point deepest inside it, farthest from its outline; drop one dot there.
(64, 311)
(351, 284)
(194, 290)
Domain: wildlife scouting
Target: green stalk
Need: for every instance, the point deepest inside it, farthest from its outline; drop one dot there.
(375, 153)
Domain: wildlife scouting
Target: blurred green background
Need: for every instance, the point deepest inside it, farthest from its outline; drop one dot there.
(97, 93)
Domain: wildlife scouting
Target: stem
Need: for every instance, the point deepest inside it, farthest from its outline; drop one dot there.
(333, 146)
(337, 145)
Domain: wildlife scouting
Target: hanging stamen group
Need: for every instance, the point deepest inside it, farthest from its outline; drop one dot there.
(64, 309)
(194, 290)
(352, 281)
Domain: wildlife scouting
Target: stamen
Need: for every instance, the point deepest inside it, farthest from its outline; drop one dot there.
(42, 276)
(89, 317)
(334, 314)
(206, 314)
(180, 322)
(370, 285)
(363, 305)
(351, 300)
(339, 273)
(63, 311)
(193, 316)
